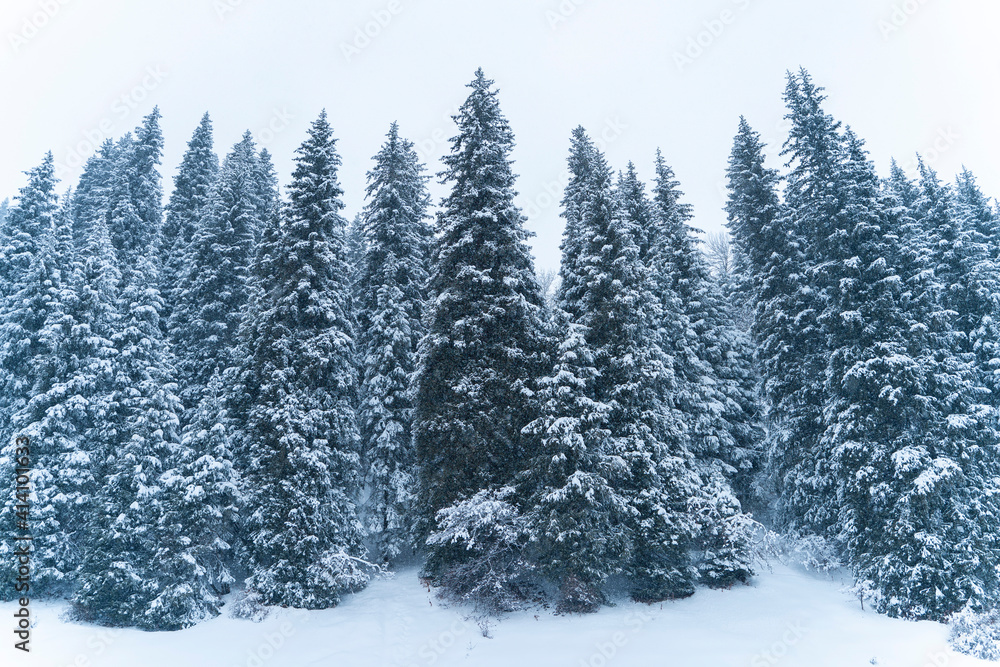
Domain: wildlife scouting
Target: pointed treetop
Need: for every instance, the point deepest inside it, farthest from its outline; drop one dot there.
(314, 181)
(813, 137)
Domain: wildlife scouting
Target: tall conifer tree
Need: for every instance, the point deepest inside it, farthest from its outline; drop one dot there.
(392, 278)
(295, 393)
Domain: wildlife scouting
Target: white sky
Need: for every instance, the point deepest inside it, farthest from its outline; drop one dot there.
(610, 65)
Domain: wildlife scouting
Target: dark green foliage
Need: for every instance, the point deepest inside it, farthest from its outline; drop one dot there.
(392, 279)
(484, 345)
(294, 397)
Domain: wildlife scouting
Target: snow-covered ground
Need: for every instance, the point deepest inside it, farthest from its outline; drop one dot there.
(787, 618)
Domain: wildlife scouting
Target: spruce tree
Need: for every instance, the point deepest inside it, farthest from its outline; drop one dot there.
(188, 204)
(681, 282)
(91, 199)
(805, 478)
(28, 222)
(85, 389)
(964, 264)
(29, 227)
(714, 382)
(917, 469)
(646, 431)
(574, 236)
(484, 344)
(982, 323)
(201, 499)
(925, 566)
(137, 186)
(36, 323)
(295, 394)
(268, 190)
(131, 574)
(577, 513)
(392, 278)
(773, 252)
(212, 293)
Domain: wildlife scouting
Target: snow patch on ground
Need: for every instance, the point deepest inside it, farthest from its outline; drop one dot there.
(787, 618)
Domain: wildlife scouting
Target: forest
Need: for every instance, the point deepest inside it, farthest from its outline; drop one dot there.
(232, 387)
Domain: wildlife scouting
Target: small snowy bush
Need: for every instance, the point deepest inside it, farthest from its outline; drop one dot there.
(248, 606)
(808, 551)
(976, 633)
(726, 537)
(579, 597)
(477, 553)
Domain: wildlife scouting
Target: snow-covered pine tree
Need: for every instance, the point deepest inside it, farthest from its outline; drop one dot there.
(71, 385)
(485, 345)
(294, 391)
(775, 265)
(975, 208)
(805, 479)
(91, 199)
(638, 208)
(355, 255)
(132, 572)
(392, 279)
(958, 255)
(188, 204)
(30, 304)
(875, 388)
(570, 271)
(710, 362)
(936, 549)
(268, 189)
(212, 293)
(85, 390)
(918, 519)
(202, 496)
(982, 227)
(901, 190)
(35, 326)
(964, 267)
(30, 223)
(137, 182)
(688, 310)
(577, 515)
(27, 223)
(646, 435)
(730, 352)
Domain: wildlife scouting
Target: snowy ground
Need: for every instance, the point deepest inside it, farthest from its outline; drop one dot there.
(787, 618)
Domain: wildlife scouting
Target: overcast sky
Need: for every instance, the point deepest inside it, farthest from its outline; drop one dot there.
(638, 74)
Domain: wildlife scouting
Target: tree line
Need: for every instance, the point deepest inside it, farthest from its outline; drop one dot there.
(245, 388)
